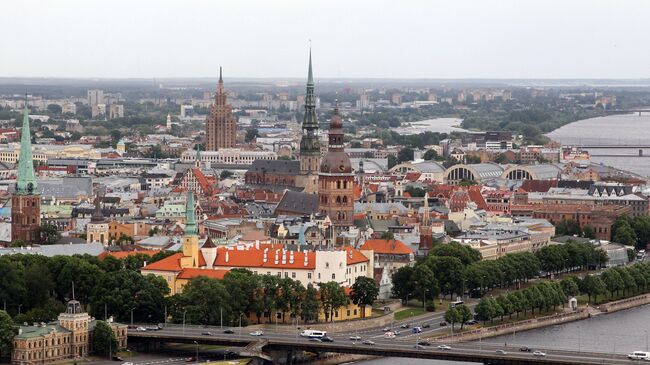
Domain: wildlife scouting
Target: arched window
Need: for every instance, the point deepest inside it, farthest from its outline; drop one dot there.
(338, 200)
(338, 184)
(345, 200)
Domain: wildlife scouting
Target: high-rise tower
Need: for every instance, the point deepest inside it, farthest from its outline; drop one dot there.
(309, 144)
(336, 180)
(220, 126)
(26, 202)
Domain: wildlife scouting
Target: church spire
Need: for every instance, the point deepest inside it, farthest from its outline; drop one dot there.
(197, 159)
(26, 182)
(220, 75)
(310, 74)
(190, 222)
(310, 122)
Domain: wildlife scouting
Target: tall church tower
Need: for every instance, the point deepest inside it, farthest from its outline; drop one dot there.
(309, 144)
(220, 126)
(97, 228)
(336, 180)
(26, 202)
(190, 240)
(426, 235)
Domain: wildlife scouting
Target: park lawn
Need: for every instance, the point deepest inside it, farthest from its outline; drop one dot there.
(408, 313)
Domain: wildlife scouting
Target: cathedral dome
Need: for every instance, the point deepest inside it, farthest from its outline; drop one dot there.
(336, 162)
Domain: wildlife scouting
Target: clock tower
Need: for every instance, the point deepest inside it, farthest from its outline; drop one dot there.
(335, 179)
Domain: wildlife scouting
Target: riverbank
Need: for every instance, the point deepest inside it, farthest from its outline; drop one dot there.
(546, 321)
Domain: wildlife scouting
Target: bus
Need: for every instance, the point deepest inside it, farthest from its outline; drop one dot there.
(313, 334)
(456, 303)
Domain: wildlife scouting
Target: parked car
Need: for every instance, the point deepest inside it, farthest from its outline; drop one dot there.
(539, 353)
(257, 333)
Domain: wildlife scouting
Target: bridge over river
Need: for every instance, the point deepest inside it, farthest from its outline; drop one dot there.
(287, 343)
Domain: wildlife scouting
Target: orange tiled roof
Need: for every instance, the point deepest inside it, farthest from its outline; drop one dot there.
(387, 247)
(255, 258)
(354, 256)
(171, 263)
(356, 191)
(192, 273)
(124, 254)
(255, 236)
(202, 180)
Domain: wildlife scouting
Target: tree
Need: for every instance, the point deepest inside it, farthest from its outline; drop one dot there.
(54, 108)
(506, 306)
(225, 174)
(309, 306)
(613, 282)
(405, 154)
(104, 341)
(570, 286)
(402, 284)
(464, 253)
(625, 235)
(432, 155)
(7, 333)
(332, 298)
(364, 292)
(251, 134)
(205, 299)
(465, 314)
(593, 285)
(448, 271)
(387, 235)
(424, 283)
(588, 232)
(452, 316)
(48, 234)
(414, 191)
(116, 135)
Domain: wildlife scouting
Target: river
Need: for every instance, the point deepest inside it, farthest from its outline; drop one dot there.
(627, 129)
(441, 125)
(621, 332)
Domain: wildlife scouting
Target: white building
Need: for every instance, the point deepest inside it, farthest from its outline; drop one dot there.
(228, 156)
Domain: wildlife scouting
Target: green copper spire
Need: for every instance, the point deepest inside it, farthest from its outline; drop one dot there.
(197, 159)
(310, 74)
(309, 145)
(26, 183)
(190, 222)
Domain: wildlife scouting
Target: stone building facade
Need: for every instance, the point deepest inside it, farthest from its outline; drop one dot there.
(220, 125)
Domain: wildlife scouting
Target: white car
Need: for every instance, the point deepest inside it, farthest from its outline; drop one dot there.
(389, 334)
(368, 342)
(639, 355)
(355, 338)
(539, 353)
(386, 329)
(127, 363)
(444, 347)
(141, 329)
(257, 333)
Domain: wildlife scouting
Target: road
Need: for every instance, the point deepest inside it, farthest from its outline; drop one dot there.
(402, 346)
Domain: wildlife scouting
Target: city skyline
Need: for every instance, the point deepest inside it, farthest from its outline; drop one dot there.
(430, 40)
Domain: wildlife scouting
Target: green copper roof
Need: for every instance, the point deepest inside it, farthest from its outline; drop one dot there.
(190, 222)
(310, 74)
(26, 183)
(198, 153)
(309, 144)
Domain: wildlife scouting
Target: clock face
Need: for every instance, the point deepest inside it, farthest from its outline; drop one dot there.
(342, 167)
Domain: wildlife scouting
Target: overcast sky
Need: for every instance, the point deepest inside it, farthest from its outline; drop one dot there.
(356, 39)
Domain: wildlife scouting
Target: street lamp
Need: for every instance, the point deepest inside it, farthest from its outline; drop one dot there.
(197, 353)
(19, 305)
(132, 316)
(184, 312)
(407, 298)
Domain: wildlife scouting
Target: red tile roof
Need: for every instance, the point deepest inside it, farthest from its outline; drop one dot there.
(171, 263)
(202, 180)
(355, 256)
(396, 247)
(476, 196)
(255, 258)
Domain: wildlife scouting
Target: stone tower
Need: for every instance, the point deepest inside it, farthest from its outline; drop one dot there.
(426, 235)
(220, 126)
(25, 202)
(97, 228)
(336, 180)
(309, 144)
(190, 239)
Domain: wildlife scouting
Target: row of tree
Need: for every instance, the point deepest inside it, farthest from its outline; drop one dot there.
(210, 301)
(456, 269)
(628, 280)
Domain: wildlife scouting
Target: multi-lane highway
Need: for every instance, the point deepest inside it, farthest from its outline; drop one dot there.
(398, 347)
